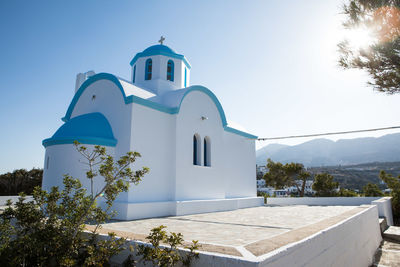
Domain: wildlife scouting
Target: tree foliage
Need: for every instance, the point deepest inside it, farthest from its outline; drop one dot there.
(346, 193)
(394, 184)
(21, 180)
(285, 175)
(372, 190)
(324, 186)
(166, 256)
(380, 58)
(50, 230)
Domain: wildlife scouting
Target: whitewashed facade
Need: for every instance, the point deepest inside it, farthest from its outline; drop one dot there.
(198, 163)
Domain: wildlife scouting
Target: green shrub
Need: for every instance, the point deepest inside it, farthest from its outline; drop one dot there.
(394, 184)
(50, 230)
(372, 190)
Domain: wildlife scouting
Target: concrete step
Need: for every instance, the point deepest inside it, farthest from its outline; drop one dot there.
(383, 224)
(388, 254)
(392, 233)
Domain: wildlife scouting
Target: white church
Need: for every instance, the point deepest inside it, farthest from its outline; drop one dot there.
(198, 162)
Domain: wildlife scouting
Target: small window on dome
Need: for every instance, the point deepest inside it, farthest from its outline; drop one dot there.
(149, 69)
(170, 71)
(134, 74)
(185, 77)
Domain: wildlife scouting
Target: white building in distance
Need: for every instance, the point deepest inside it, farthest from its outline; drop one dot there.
(198, 163)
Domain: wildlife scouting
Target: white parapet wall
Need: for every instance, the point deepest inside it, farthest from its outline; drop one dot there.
(321, 201)
(385, 209)
(383, 203)
(350, 242)
(134, 211)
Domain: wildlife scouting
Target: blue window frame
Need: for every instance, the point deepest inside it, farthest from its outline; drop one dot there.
(134, 74)
(149, 69)
(185, 77)
(170, 71)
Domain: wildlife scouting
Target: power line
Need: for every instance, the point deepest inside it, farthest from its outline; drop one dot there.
(333, 133)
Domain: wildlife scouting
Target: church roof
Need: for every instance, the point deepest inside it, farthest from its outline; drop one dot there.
(160, 50)
(168, 102)
(91, 128)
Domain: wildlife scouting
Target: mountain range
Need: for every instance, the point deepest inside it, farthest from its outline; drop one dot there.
(325, 152)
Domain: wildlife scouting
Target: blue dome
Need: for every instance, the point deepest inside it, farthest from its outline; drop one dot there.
(92, 128)
(156, 50)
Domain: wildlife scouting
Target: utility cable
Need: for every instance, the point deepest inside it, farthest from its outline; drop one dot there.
(323, 134)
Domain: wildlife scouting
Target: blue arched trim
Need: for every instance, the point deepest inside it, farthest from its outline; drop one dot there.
(211, 95)
(86, 84)
(151, 104)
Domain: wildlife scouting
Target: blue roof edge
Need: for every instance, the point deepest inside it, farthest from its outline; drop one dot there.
(83, 140)
(151, 104)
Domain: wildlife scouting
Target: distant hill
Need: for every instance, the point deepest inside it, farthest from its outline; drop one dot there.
(357, 176)
(324, 152)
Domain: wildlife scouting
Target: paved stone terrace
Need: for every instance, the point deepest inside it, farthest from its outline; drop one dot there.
(247, 232)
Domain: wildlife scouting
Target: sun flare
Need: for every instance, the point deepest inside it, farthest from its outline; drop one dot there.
(360, 38)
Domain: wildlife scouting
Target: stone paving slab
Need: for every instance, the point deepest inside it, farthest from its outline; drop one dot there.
(388, 255)
(267, 245)
(224, 232)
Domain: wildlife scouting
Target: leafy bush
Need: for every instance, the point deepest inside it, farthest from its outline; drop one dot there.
(264, 195)
(324, 186)
(372, 190)
(18, 181)
(166, 256)
(50, 230)
(346, 193)
(394, 184)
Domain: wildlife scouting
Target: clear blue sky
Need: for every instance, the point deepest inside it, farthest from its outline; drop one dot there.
(272, 64)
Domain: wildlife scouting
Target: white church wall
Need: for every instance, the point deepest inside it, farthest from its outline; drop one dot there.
(153, 136)
(63, 160)
(199, 182)
(240, 169)
(110, 102)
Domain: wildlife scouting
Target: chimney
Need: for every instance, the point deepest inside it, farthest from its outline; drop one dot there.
(81, 78)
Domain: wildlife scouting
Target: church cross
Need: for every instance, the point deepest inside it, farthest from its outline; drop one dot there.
(162, 39)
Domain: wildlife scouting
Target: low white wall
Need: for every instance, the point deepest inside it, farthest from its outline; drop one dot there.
(202, 206)
(383, 203)
(321, 201)
(134, 211)
(385, 209)
(352, 242)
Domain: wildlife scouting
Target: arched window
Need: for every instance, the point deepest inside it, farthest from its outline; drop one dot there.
(207, 151)
(134, 74)
(149, 69)
(170, 71)
(196, 150)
